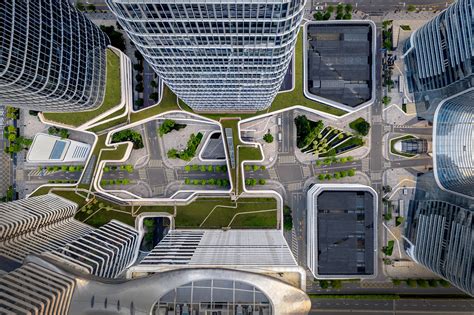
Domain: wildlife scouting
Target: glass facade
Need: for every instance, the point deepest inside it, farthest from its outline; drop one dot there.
(454, 144)
(226, 56)
(52, 58)
(440, 53)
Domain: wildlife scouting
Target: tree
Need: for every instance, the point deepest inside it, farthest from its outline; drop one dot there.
(444, 283)
(351, 172)
(91, 7)
(324, 284)
(268, 138)
(348, 8)
(318, 16)
(422, 283)
(386, 100)
(262, 181)
(154, 84)
(433, 283)
(337, 175)
(187, 181)
(411, 283)
(137, 67)
(321, 177)
(361, 126)
(139, 102)
(347, 16)
(328, 176)
(129, 135)
(139, 87)
(411, 8)
(396, 281)
(330, 9)
(187, 168)
(326, 16)
(336, 284)
(80, 6)
(287, 218)
(138, 55)
(154, 96)
(139, 77)
(256, 168)
(210, 168)
(116, 38)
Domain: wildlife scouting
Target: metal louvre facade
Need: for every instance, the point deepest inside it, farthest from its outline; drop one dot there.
(440, 52)
(52, 58)
(453, 147)
(104, 252)
(216, 56)
(34, 289)
(441, 237)
(221, 248)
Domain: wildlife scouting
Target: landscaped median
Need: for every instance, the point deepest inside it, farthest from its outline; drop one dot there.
(112, 97)
(395, 140)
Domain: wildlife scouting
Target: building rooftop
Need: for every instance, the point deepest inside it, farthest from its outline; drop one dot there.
(51, 149)
(340, 62)
(343, 232)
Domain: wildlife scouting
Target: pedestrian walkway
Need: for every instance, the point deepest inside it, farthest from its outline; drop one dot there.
(286, 159)
(155, 163)
(295, 186)
(142, 174)
(306, 171)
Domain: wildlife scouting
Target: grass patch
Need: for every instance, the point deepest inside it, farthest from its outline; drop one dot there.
(191, 216)
(395, 140)
(112, 96)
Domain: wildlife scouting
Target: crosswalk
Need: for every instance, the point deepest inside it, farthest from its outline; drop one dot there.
(169, 173)
(294, 243)
(155, 163)
(376, 176)
(272, 173)
(376, 118)
(306, 172)
(365, 165)
(36, 173)
(286, 159)
(142, 174)
(295, 186)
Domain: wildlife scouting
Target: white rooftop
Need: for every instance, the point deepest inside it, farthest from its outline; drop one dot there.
(51, 149)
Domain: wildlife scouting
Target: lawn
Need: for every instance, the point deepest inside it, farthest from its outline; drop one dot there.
(111, 99)
(243, 153)
(191, 216)
(392, 146)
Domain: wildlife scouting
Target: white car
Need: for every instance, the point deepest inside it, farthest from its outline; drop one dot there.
(319, 8)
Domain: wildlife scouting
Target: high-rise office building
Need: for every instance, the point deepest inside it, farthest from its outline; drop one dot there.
(45, 225)
(52, 58)
(217, 57)
(453, 131)
(440, 53)
(439, 235)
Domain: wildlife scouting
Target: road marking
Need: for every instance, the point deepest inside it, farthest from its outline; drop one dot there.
(286, 159)
(155, 163)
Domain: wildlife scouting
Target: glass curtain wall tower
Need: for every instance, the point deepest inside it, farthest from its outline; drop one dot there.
(52, 58)
(441, 53)
(230, 55)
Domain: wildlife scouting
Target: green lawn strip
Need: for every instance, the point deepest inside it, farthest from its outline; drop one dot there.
(356, 296)
(191, 216)
(168, 102)
(256, 220)
(243, 153)
(112, 96)
(110, 124)
(395, 140)
(353, 124)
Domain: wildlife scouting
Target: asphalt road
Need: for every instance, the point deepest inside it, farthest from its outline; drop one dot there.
(428, 162)
(402, 306)
(427, 131)
(378, 6)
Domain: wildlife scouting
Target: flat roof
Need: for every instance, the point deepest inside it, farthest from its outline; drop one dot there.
(345, 228)
(340, 62)
(342, 231)
(46, 147)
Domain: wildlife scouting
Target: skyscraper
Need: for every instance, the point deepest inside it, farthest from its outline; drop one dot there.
(45, 225)
(52, 58)
(217, 57)
(453, 144)
(440, 53)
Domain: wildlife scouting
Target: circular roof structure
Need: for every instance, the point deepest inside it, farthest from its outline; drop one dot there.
(214, 296)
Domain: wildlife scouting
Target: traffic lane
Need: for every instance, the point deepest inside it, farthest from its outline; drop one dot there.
(376, 158)
(426, 162)
(427, 131)
(402, 306)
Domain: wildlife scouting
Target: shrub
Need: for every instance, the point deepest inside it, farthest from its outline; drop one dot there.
(129, 135)
(433, 283)
(361, 126)
(247, 168)
(268, 138)
(169, 125)
(321, 177)
(396, 281)
(210, 168)
(187, 181)
(203, 168)
(422, 283)
(444, 283)
(336, 284)
(187, 168)
(411, 283)
(351, 172)
(399, 220)
(328, 176)
(262, 181)
(256, 168)
(139, 102)
(324, 284)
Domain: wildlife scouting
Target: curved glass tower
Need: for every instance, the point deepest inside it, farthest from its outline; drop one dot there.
(453, 148)
(52, 58)
(217, 56)
(440, 52)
